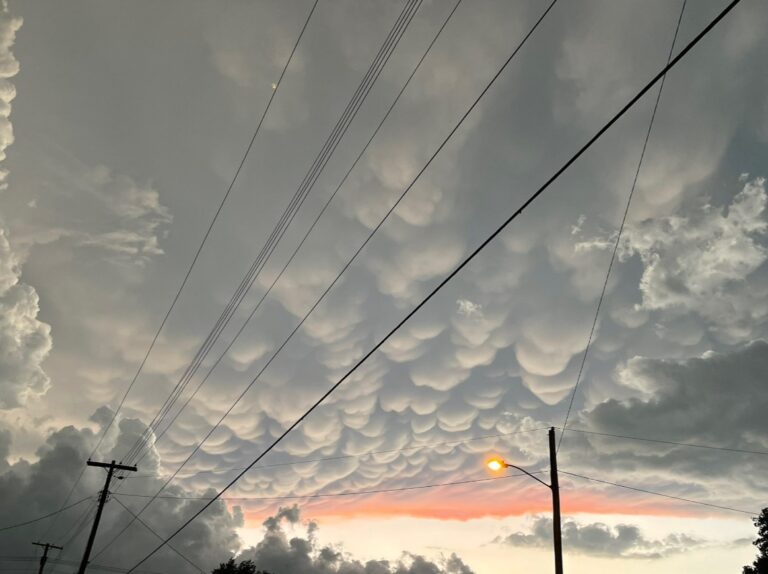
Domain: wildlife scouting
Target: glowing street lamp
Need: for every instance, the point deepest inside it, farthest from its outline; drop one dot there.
(497, 464)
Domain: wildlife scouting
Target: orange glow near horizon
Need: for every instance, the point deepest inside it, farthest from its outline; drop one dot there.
(496, 499)
(496, 464)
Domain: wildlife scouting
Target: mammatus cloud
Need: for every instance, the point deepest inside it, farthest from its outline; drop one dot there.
(278, 552)
(24, 340)
(601, 540)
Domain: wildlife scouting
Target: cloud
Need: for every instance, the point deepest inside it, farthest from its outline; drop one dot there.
(701, 399)
(94, 207)
(9, 67)
(31, 489)
(601, 540)
(25, 341)
(702, 262)
(277, 552)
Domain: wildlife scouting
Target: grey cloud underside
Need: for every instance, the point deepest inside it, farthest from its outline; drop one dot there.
(601, 540)
(499, 349)
(717, 399)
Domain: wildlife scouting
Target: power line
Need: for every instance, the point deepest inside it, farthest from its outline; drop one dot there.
(231, 185)
(670, 442)
(621, 230)
(469, 258)
(39, 518)
(152, 530)
(76, 531)
(699, 502)
(335, 494)
(418, 175)
(175, 299)
(363, 454)
(365, 242)
(370, 235)
(79, 527)
(307, 184)
(311, 227)
(385, 52)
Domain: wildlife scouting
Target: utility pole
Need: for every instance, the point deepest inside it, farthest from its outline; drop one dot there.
(44, 557)
(111, 468)
(555, 488)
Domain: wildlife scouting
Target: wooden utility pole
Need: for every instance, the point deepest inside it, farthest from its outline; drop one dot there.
(111, 468)
(44, 558)
(555, 488)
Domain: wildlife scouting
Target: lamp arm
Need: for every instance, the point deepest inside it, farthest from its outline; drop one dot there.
(536, 478)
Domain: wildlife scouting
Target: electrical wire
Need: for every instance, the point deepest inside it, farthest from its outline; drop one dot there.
(231, 185)
(175, 299)
(699, 502)
(336, 494)
(371, 234)
(80, 525)
(670, 442)
(361, 455)
(76, 531)
(39, 518)
(310, 229)
(152, 530)
(380, 61)
(621, 230)
(466, 261)
(362, 246)
(360, 95)
(59, 561)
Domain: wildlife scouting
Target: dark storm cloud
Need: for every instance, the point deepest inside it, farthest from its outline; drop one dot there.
(601, 540)
(32, 489)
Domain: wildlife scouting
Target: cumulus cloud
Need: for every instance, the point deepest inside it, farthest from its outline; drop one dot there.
(279, 552)
(702, 262)
(9, 67)
(30, 489)
(24, 340)
(601, 540)
(137, 212)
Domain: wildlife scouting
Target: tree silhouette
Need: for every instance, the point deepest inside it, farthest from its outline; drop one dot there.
(760, 565)
(231, 567)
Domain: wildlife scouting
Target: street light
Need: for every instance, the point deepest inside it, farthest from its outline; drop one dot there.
(497, 464)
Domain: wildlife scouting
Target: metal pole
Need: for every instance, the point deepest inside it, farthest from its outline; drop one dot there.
(555, 487)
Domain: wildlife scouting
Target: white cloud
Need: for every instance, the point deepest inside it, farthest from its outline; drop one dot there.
(701, 263)
(24, 340)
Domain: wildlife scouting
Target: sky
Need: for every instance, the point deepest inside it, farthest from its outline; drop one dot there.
(122, 126)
